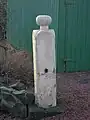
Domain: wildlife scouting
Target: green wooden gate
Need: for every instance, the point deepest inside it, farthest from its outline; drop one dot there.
(70, 21)
(74, 35)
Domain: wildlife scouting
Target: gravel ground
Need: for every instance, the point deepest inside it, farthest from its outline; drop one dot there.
(74, 90)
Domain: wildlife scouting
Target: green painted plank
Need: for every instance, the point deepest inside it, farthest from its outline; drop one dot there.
(61, 36)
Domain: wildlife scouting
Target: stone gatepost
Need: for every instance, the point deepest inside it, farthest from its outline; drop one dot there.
(44, 61)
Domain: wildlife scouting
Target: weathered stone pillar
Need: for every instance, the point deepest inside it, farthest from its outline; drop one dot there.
(44, 60)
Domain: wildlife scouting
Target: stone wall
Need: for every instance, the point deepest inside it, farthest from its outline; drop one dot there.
(3, 18)
(3, 22)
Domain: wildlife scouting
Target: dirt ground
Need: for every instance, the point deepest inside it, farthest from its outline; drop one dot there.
(74, 90)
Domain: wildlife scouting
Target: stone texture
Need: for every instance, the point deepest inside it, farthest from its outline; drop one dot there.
(3, 18)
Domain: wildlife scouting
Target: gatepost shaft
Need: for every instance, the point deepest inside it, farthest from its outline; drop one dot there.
(44, 61)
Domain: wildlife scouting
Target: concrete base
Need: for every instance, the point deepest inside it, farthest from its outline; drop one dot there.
(36, 113)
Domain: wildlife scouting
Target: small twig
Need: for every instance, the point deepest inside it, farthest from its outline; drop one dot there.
(3, 47)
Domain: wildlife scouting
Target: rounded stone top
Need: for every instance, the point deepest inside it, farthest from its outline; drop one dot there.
(43, 20)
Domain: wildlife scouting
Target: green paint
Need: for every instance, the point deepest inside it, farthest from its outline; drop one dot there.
(77, 30)
(70, 22)
(21, 20)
